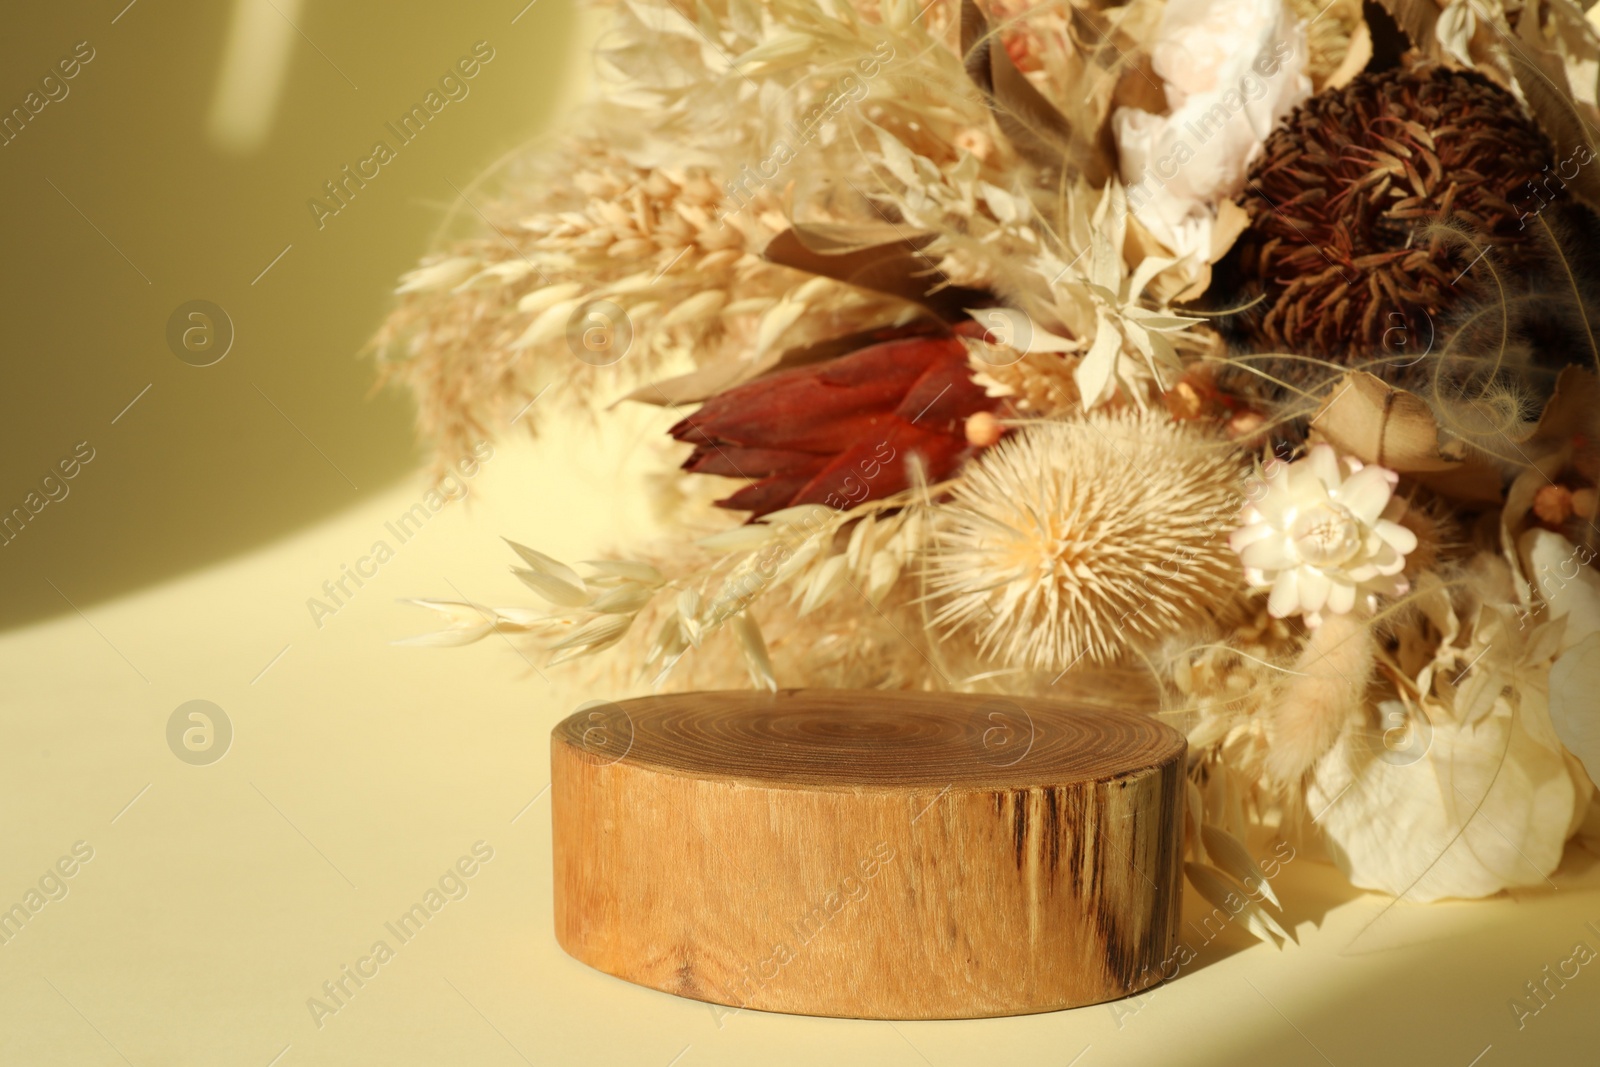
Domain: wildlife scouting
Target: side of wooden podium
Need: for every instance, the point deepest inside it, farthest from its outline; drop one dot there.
(867, 902)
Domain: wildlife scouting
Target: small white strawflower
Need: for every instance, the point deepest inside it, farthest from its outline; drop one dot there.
(1322, 532)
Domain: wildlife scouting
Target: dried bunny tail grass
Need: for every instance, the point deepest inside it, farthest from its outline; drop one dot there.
(1325, 694)
(1085, 539)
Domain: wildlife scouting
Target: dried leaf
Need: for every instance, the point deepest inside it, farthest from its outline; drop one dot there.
(1574, 680)
(1572, 411)
(1015, 329)
(1093, 374)
(626, 568)
(1222, 892)
(775, 321)
(824, 583)
(1564, 581)
(898, 268)
(755, 650)
(1031, 123)
(1228, 853)
(466, 624)
(1542, 77)
(553, 589)
(1356, 57)
(670, 641)
(744, 538)
(592, 636)
(546, 295)
(1367, 418)
(1486, 807)
(435, 276)
(882, 574)
(544, 564)
(1416, 18)
(626, 599)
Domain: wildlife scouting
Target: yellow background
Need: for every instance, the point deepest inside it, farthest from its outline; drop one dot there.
(221, 897)
(203, 466)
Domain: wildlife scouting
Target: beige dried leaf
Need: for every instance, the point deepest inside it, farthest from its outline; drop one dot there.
(1486, 807)
(1366, 417)
(755, 650)
(558, 592)
(1222, 892)
(1574, 680)
(1356, 57)
(1417, 18)
(1228, 853)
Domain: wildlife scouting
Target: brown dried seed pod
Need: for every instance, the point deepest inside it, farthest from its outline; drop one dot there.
(1345, 189)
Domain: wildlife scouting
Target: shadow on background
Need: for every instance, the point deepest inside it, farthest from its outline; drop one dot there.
(127, 198)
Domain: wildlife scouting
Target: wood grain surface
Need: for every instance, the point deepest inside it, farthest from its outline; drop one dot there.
(869, 854)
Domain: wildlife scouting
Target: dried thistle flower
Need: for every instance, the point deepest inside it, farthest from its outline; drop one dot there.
(1082, 539)
(1344, 190)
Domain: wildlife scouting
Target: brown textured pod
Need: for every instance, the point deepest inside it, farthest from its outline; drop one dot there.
(869, 854)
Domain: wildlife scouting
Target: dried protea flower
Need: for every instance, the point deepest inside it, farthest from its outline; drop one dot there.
(1345, 193)
(1082, 539)
(842, 432)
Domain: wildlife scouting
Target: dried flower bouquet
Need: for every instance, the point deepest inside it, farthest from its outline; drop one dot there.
(1242, 348)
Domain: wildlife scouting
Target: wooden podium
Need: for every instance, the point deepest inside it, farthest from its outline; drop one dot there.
(869, 854)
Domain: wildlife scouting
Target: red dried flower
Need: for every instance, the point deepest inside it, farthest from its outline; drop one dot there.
(841, 432)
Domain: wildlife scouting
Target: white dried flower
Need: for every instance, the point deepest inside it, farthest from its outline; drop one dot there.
(1232, 70)
(1322, 533)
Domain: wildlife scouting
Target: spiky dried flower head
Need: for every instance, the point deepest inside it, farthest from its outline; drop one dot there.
(1346, 200)
(1079, 540)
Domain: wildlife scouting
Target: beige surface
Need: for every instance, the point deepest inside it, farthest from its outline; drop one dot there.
(220, 898)
(223, 897)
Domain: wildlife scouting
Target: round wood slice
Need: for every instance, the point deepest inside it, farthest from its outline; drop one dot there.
(872, 855)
